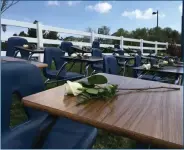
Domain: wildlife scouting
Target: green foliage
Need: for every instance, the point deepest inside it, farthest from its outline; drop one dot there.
(86, 84)
(94, 89)
(174, 50)
(97, 93)
(152, 34)
(22, 34)
(97, 79)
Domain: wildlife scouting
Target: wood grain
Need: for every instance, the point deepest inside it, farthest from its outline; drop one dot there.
(153, 116)
(38, 64)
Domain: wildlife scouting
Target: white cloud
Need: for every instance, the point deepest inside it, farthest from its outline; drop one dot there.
(72, 3)
(180, 8)
(101, 7)
(26, 19)
(53, 3)
(139, 14)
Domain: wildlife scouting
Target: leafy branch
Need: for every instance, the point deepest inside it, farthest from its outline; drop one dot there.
(93, 89)
(6, 4)
(96, 88)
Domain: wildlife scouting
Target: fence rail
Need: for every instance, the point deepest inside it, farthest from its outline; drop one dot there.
(40, 41)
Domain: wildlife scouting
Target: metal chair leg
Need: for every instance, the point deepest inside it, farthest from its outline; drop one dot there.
(124, 70)
(71, 66)
(86, 70)
(93, 72)
(124, 67)
(29, 58)
(16, 52)
(46, 81)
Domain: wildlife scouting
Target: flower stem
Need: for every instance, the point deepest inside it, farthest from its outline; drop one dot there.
(148, 88)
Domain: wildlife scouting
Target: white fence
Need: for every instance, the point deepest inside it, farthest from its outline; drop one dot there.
(40, 41)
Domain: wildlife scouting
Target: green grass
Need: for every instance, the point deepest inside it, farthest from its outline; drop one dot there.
(104, 139)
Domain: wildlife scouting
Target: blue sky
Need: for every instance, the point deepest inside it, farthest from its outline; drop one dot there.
(79, 15)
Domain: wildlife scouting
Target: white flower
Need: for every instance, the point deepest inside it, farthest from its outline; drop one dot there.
(171, 60)
(73, 88)
(165, 62)
(26, 46)
(156, 66)
(146, 66)
(116, 54)
(75, 54)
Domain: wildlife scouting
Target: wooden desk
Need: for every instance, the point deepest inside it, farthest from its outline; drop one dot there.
(154, 116)
(89, 60)
(34, 51)
(38, 64)
(167, 69)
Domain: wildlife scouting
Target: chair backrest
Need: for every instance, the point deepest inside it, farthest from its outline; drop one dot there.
(96, 52)
(53, 54)
(176, 58)
(66, 47)
(21, 78)
(116, 46)
(16, 41)
(153, 61)
(110, 65)
(137, 63)
(96, 44)
(139, 52)
(120, 52)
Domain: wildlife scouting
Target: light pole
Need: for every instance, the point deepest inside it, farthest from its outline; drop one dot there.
(182, 32)
(156, 13)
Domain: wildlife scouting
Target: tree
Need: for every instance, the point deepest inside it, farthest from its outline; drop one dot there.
(15, 34)
(89, 29)
(32, 32)
(51, 35)
(121, 32)
(104, 30)
(22, 33)
(152, 34)
(6, 4)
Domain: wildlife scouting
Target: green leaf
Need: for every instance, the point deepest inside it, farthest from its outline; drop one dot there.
(101, 90)
(108, 88)
(86, 84)
(97, 79)
(92, 91)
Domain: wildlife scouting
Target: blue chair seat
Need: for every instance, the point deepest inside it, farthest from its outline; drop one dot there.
(64, 75)
(71, 134)
(150, 77)
(28, 130)
(97, 53)
(98, 67)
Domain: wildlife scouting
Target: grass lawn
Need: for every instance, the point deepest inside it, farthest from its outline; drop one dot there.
(104, 139)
